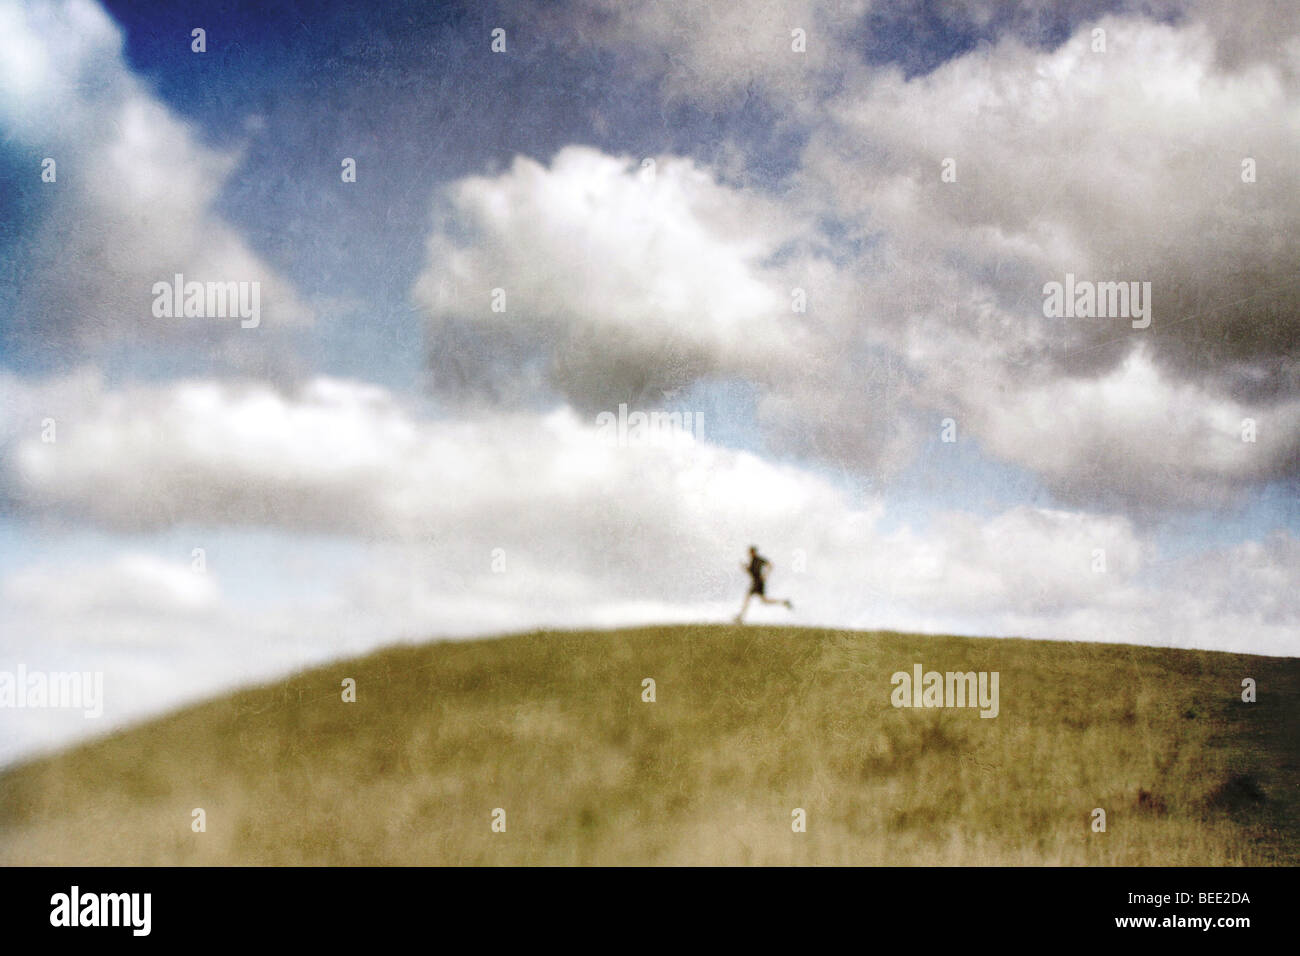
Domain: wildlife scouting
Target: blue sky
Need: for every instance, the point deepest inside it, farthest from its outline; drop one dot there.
(652, 187)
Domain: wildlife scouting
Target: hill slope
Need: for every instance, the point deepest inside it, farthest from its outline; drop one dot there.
(748, 724)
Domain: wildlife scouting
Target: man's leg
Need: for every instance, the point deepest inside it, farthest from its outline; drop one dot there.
(743, 607)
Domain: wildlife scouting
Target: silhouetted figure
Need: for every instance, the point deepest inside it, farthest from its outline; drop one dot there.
(757, 571)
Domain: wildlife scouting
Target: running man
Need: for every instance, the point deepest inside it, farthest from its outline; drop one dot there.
(757, 571)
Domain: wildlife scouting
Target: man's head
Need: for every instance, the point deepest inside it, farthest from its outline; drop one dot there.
(753, 549)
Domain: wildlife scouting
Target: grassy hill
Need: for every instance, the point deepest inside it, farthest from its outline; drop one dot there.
(748, 724)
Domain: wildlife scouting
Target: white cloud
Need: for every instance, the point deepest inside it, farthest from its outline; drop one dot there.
(133, 203)
(617, 279)
(1137, 432)
(1123, 165)
(621, 287)
(578, 521)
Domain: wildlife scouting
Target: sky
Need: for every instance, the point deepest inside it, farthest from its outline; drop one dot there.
(825, 231)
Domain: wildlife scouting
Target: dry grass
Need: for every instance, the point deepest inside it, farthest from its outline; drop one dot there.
(749, 723)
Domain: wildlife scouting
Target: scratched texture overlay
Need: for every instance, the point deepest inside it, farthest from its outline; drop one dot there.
(650, 432)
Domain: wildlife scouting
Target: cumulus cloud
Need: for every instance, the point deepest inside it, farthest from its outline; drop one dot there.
(134, 198)
(623, 281)
(351, 458)
(1134, 434)
(575, 517)
(1119, 165)
(619, 279)
(1114, 162)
